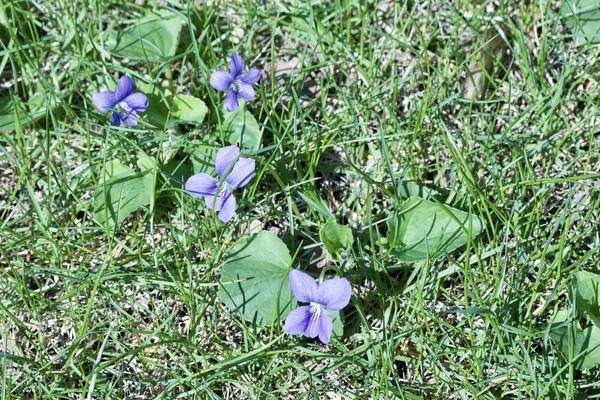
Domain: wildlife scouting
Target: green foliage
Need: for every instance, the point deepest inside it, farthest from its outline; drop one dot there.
(409, 189)
(580, 346)
(338, 323)
(122, 192)
(144, 162)
(586, 286)
(188, 109)
(240, 127)
(422, 229)
(202, 158)
(153, 38)
(583, 17)
(584, 344)
(165, 111)
(158, 114)
(254, 279)
(25, 113)
(336, 238)
(316, 203)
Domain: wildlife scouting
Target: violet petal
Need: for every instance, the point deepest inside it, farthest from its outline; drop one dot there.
(115, 119)
(224, 158)
(241, 173)
(227, 210)
(221, 80)
(251, 77)
(137, 101)
(304, 287)
(334, 293)
(201, 185)
(130, 119)
(245, 91)
(236, 65)
(312, 328)
(325, 326)
(297, 320)
(104, 101)
(231, 101)
(124, 88)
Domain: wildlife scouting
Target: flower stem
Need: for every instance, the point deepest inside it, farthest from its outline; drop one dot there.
(325, 269)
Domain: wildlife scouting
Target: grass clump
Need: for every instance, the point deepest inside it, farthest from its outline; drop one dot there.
(490, 105)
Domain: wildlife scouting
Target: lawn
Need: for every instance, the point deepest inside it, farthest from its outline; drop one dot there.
(373, 199)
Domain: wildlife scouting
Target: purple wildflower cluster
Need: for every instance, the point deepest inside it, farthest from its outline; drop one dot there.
(312, 320)
(124, 104)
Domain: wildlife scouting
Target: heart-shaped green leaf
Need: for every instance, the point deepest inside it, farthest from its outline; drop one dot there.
(336, 238)
(183, 108)
(587, 294)
(583, 17)
(122, 192)
(585, 344)
(189, 109)
(422, 229)
(254, 279)
(409, 189)
(241, 128)
(153, 38)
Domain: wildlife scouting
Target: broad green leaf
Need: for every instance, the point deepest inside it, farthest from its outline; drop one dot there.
(587, 289)
(422, 229)
(189, 109)
(184, 108)
(409, 189)
(241, 128)
(338, 322)
(113, 168)
(585, 344)
(26, 113)
(202, 158)
(122, 192)
(157, 115)
(154, 38)
(145, 162)
(336, 238)
(392, 240)
(583, 17)
(178, 171)
(254, 279)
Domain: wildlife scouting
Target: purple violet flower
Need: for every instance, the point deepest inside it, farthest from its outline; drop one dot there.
(236, 172)
(237, 81)
(123, 103)
(314, 320)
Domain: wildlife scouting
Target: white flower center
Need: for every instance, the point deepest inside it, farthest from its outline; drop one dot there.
(315, 309)
(122, 108)
(237, 84)
(225, 186)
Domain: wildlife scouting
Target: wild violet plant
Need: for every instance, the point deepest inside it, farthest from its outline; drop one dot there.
(123, 103)
(420, 229)
(237, 81)
(234, 173)
(314, 320)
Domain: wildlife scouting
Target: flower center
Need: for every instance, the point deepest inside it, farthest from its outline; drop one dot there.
(315, 309)
(237, 84)
(122, 108)
(225, 186)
